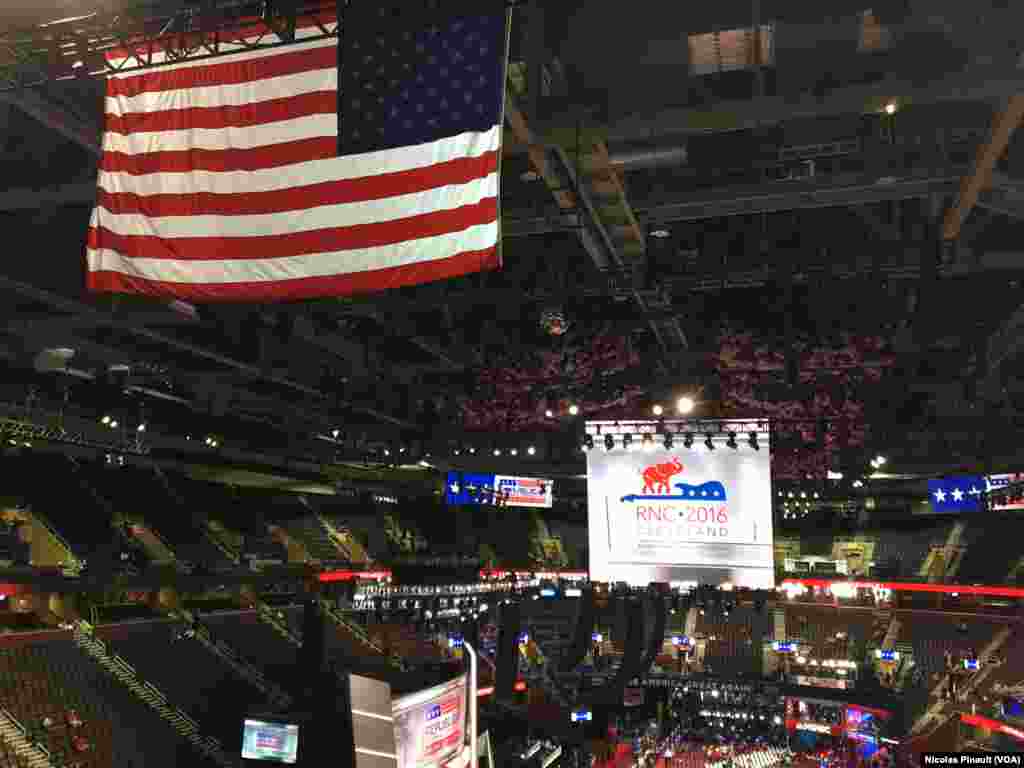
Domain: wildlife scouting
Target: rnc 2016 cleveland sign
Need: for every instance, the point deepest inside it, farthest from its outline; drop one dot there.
(658, 513)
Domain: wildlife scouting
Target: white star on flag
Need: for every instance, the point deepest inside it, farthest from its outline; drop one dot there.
(454, 487)
(958, 495)
(974, 491)
(940, 495)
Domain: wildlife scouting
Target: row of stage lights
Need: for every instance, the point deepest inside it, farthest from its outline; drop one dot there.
(684, 405)
(668, 440)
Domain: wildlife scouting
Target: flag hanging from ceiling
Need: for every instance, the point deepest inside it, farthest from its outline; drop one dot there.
(329, 167)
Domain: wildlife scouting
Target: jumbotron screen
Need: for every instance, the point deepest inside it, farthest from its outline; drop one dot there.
(680, 514)
(270, 742)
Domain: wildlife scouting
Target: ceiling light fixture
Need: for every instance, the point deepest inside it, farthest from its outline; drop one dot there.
(709, 442)
(548, 414)
(688, 440)
(574, 409)
(731, 442)
(752, 441)
(660, 233)
(627, 440)
(588, 442)
(609, 442)
(657, 410)
(531, 450)
(684, 404)
(668, 440)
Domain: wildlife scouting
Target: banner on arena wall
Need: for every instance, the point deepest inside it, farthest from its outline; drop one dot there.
(430, 724)
(995, 483)
(682, 514)
(465, 488)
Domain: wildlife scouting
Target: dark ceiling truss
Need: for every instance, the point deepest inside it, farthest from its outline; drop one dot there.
(246, 370)
(54, 50)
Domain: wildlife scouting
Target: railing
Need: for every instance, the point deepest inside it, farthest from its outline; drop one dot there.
(207, 745)
(237, 662)
(266, 614)
(74, 564)
(43, 751)
(358, 633)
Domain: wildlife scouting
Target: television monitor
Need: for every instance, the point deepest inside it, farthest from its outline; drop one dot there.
(270, 742)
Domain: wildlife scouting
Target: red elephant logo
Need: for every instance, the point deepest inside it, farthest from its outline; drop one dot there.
(658, 476)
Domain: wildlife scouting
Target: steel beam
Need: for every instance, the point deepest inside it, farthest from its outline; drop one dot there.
(69, 126)
(1004, 123)
(126, 324)
(981, 83)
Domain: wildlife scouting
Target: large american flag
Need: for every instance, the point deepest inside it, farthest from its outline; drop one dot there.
(321, 168)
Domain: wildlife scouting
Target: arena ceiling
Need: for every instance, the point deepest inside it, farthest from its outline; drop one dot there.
(814, 216)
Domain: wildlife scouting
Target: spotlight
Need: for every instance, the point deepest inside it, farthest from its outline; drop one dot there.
(335, 433)
(688, 440)
(708, 442)
(627, 440)
(497, 451)
(574, 409)
(890, 108)
(752, 441)
(588, 442)
(609, 442)
(105, 420)
(531, 450)
(879, 461)
(684, 404)
(514, 452)
(731, 442)
(472, 449)
(549, 414)
(657, 410)
(668, 440)
(140, 428)
(457, 452)
(113, 425)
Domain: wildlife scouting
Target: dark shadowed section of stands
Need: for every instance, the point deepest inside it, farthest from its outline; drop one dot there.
(192, 677)
(258, 643)
(49, 679)
(993, 549)
(932, 635)
(733, 642)
(829, 632)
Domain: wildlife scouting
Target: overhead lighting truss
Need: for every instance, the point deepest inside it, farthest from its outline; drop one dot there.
(20, 432)
(667, 431)
(71, 48)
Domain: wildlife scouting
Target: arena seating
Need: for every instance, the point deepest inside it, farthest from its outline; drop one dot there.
(992, 550)
(49, 679)
(732, 642)
(257, 642)
(932, 635)
(1009, 674)
(45, 480)
(830, 632)
(900, 552)
(192, 677)
(311, 532)
(183, 533)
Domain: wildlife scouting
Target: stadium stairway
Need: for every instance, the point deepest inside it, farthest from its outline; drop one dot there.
(235, 661)
(269, 616)
(352, 637)
(150, 694)
(154, 546)
(15, 739)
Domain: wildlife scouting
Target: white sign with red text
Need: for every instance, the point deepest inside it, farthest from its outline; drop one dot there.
(523, 491)
(430, 724)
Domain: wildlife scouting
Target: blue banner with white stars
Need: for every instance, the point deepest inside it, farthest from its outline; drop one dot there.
(963, 493)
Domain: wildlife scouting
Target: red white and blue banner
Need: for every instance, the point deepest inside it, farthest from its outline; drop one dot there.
(658, 513)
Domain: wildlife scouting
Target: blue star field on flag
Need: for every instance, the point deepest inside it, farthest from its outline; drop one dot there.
(963, 493)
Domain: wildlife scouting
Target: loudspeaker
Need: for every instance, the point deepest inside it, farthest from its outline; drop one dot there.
(583, 635)
(632, 652)
(655, 627)
(313, 653)
(510, 619)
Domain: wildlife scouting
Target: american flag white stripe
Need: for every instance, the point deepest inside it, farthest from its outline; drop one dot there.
(364, 212)
(211, 139)
(163, 224)
(421, 156)
(230, 271)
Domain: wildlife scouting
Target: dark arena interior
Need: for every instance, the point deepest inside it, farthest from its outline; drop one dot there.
(433, 384)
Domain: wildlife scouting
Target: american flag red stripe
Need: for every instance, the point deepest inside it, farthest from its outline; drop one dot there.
(220, 180)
